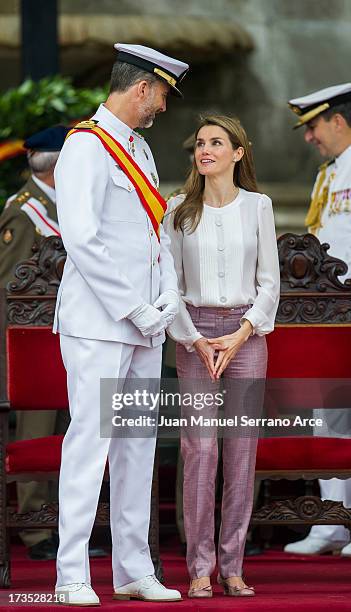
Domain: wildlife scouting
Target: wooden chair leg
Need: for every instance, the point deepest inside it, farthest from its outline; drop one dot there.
(309, 487)
(154, 524)
(266, 531)
(5, 579)
(5, 571)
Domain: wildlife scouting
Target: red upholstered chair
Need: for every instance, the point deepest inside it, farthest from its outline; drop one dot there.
(310, 346)
(32, 377)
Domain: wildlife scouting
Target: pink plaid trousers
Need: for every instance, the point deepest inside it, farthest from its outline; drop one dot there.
(200, 451)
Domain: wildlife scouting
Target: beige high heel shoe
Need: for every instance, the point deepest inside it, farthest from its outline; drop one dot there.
(235, 591)
(200, 592)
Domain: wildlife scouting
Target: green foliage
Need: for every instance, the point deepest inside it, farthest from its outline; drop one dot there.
(34, 106)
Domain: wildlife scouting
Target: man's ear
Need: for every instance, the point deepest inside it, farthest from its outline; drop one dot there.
(339, 121)
(143, 88)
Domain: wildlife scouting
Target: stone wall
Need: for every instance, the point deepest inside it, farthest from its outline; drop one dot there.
(299, 46)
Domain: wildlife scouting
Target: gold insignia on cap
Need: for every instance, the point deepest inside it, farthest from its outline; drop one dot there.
(306, 117)
(7, 236)
(165, 76)
(295, 109)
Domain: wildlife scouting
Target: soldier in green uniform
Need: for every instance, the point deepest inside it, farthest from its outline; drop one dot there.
(31, 213)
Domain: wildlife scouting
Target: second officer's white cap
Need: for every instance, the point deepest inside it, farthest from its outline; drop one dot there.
(168, 69)
(315, 103)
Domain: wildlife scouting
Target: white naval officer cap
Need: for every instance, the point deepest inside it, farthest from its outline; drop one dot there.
(309, 107)
(170, 70)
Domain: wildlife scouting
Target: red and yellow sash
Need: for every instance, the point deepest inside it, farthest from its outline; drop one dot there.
(150, 198)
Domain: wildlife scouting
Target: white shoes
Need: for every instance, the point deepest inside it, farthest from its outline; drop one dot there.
(76, 594)
(147, 589)
(315, 546)
(346, 551)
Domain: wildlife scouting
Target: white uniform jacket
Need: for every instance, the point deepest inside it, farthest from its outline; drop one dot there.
(114, 259)
(336, 217)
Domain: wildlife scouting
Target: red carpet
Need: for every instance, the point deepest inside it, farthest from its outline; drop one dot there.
(283, 582)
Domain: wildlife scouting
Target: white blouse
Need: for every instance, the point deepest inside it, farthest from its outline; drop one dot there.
(230, 260)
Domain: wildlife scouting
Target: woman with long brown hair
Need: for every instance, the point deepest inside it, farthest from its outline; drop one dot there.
(224, 247)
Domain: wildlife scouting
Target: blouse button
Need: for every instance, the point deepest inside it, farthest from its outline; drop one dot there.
(218, 222)
(223, 299)
(221, 247)
(221, 274)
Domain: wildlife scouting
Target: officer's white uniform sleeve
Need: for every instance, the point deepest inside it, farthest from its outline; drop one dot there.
(81, 180)
(182, 329)
(168, 276)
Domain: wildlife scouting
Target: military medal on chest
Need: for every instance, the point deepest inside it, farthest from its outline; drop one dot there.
(154, 178)
(132, 145)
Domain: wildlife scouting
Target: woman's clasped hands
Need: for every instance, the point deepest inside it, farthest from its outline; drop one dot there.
(216, 353)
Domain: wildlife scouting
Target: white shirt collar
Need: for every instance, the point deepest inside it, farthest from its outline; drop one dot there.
(344, 157)
(114, 125)
(49, 191)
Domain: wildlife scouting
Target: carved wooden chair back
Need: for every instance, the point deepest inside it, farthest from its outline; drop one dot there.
(308, 352)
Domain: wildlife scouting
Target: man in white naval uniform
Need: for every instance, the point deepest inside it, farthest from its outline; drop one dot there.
(326, 115)
(117, 277)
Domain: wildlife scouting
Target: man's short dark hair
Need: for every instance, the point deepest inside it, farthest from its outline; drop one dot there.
(341, 109)
(125, 75)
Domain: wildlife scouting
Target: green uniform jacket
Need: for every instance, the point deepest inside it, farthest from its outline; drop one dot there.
(18, 233)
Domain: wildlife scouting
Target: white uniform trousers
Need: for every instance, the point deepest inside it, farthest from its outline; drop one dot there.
(335, 424)
(84, 455)
(336, 490)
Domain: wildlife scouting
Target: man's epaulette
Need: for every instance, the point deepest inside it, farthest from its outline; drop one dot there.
(42, 200)
(86, 125)
(23, 197)
(20, 199)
